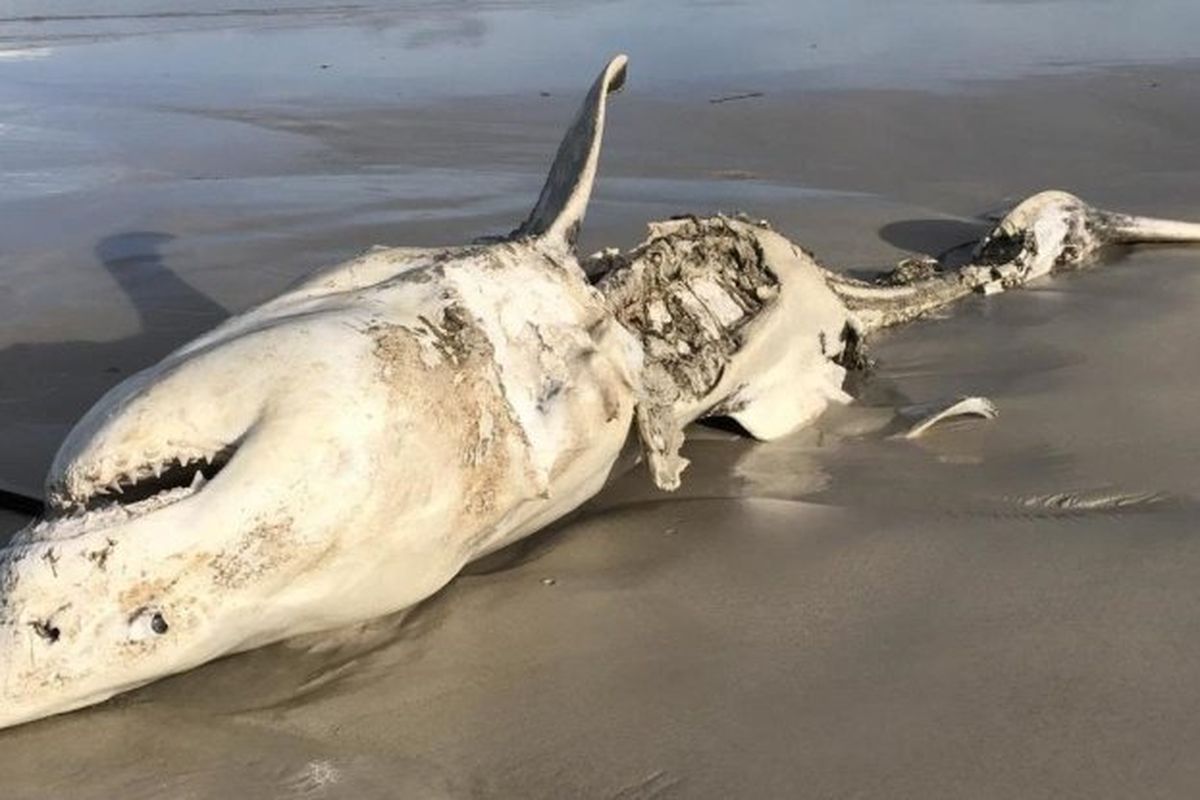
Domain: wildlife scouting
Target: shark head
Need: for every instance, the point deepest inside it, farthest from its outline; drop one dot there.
(190, 503)
(331, 455)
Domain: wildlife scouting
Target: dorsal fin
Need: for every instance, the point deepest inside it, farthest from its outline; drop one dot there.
(563, 201)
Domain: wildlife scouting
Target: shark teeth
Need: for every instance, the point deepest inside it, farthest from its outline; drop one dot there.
(188, 469)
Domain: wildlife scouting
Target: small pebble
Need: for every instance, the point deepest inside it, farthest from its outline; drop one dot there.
(548, 581)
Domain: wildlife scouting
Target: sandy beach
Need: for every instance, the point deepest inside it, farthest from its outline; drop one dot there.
(1001, 609)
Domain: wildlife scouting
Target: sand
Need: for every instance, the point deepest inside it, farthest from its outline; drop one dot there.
(1003, 609)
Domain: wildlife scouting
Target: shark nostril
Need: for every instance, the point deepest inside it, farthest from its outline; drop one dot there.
(46, 629)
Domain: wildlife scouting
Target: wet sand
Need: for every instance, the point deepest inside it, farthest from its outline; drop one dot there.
(1002, 609)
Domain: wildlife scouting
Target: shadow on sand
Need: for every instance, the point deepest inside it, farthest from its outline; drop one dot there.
(50, 385)
(949, 240)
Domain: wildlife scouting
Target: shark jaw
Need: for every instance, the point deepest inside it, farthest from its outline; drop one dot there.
(361, 475)
(155, 483)
(146, 566)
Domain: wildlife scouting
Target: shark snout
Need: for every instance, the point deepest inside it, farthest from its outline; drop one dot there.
(84, 618)
(173, 426)
(185, 502)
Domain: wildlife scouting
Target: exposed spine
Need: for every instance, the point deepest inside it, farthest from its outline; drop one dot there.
(880, 306)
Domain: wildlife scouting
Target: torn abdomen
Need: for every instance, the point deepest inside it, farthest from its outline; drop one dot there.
(687, 293)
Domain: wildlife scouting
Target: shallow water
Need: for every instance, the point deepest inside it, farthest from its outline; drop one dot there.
(1000, 609)
(371, 49)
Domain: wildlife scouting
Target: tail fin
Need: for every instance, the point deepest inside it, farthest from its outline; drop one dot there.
(1124, 229)
(563, 201)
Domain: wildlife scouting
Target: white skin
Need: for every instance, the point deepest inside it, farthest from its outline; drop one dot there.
(371, 431)
(340, 452)
(375, 428)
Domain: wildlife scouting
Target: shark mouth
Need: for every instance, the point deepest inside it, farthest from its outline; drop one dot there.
(149, 486)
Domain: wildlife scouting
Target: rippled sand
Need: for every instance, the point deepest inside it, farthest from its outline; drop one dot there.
(1002, 609)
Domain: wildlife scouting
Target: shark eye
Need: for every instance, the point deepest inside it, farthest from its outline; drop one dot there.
(147, 623)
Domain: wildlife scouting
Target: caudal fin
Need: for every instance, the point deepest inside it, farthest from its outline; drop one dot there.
(1125, 229)
(563, 201)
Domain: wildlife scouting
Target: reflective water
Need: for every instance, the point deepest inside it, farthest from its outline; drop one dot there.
(270, 51)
